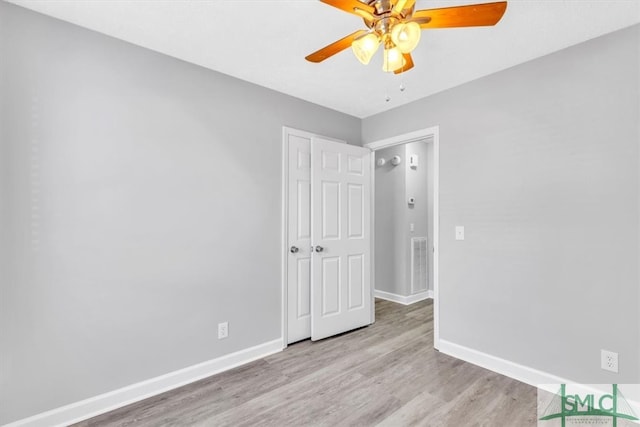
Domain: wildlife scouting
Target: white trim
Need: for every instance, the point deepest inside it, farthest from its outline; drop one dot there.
(505, 367)
(283, 247)
(84, 409)
(539, 379)
(434, 134)
(372, 231)
(400, 299)
(436, 238)
(284, 327)
(405, 138)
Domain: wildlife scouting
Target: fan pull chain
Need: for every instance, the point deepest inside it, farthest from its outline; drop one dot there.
(402, 86)
(387, 97)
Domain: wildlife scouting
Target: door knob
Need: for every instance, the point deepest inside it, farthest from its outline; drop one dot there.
(319, 249)
(294, 250)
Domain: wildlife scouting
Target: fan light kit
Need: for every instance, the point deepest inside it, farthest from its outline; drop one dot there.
(396, 26)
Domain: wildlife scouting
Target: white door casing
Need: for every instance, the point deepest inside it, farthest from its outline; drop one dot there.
(340, 232)
(432, 133)
(298, 225)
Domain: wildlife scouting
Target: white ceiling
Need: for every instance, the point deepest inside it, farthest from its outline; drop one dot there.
(265, 42)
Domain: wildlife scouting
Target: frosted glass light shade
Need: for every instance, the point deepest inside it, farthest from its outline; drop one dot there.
(406, 36)
(393, 60)
(365, 47)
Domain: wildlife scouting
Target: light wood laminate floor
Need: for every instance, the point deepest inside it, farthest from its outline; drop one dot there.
(387, 374)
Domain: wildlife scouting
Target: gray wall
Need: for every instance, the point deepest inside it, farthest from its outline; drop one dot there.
(417, 185)
(390, 214)
(140, 206)
(135, 189)
(393, 215)
(540, 164)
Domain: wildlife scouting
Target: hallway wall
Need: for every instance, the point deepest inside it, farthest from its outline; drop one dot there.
(393, 215)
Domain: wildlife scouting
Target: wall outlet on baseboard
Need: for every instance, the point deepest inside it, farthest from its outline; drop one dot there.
(223, 330)
(609, 360)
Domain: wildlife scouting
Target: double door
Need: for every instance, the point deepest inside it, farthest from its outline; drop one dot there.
(328, 265)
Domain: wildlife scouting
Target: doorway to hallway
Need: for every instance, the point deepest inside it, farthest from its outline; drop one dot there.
(406, 188)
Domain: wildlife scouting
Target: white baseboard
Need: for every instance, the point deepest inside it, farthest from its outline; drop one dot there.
(400, 299)
(106, 402)
(505, 367)
(539, 379)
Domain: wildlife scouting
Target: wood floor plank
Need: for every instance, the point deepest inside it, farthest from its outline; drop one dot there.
(418, 411)
(387, 374)
(211, 395)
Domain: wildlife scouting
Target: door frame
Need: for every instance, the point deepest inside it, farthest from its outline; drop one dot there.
(284, 250)
(432, 134)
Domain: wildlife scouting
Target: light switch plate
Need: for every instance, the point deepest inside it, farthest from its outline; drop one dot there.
(459, 232)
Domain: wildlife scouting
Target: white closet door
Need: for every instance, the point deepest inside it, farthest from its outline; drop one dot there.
(299, 238)
(340, 232)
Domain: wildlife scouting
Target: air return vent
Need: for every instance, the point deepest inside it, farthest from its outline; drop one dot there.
(419, 273)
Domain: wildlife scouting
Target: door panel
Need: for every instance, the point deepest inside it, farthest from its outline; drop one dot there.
(303, 292)
(355, 197)
(340, 224)
(330, 210)
(356, 281)
(299, 235)
(303, 203)
(330, 285)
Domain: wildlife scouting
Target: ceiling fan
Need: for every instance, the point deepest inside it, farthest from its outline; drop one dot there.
(396, 26)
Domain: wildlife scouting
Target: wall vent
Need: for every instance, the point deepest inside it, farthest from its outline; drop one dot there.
(419, 273)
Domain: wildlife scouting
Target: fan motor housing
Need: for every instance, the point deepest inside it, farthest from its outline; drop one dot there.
(384, 17)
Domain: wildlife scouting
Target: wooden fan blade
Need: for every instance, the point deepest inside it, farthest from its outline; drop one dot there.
(334, 47)
(420, 21)
(352, 6)
(407, 66)
(474, 15)
(403, 4)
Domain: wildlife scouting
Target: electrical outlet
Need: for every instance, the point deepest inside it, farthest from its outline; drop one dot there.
(223, 330)
(609, 360)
